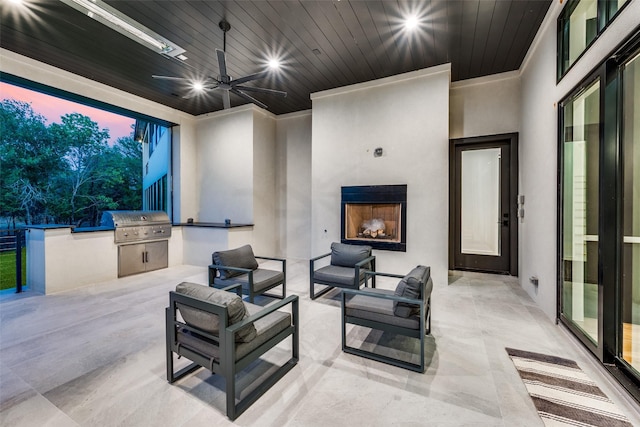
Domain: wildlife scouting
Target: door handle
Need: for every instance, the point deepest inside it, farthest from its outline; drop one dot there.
(146, 257)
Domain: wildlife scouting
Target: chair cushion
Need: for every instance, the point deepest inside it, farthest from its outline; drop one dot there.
(210, 322)
(348, 255)
(378, 310)
(340, 276)
(410, 287)
(241, 257)
(263, 280)
(266, 328)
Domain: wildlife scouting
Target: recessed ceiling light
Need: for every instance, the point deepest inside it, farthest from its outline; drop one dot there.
(16, 1)
(198, 86)
(411, 23)
(181, 57)
(274, 64)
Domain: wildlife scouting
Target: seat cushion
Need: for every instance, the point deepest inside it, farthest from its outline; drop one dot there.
(263, 280)
(378, 310)
(266, 328)
(241, 257)
(411, 286)
(348, 255)
(210, 322)
(340, 276)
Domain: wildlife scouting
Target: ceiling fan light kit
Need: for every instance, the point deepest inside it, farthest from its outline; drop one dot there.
(225, 83)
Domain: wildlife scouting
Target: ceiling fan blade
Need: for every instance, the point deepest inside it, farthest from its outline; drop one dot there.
(248, 78)
(262, 90)
(222, 63)
(170, 78)
(226, 102)
(249, 98)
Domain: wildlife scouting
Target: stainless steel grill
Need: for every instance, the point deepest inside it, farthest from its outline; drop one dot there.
(137, 226)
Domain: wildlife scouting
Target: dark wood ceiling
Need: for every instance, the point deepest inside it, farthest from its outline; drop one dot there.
(323, 44)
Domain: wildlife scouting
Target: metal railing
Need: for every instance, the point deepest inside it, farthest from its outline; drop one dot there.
(14, 240)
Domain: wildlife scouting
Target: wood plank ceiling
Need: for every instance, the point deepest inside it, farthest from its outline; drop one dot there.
(323, 44)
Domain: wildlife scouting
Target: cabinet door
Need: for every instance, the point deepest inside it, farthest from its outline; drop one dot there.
(157, 255)
(131, 259)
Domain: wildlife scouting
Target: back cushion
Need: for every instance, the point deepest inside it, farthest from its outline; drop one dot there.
(410, 287)
(241, 257)
(210, 322)
(348, 255)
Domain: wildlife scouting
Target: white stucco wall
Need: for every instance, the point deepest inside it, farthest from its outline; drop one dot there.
(224, 166)
(184, 173)
(266, 227)
(485, 106)
(408, 116)
(200, 242)
(539, 145)
(293, 211)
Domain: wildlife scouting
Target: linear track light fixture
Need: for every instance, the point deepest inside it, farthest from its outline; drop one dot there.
(112, 18)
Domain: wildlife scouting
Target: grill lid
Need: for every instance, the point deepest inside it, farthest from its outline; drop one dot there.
(116, 219)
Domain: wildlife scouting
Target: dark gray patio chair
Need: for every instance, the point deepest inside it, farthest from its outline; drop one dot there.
(345, 270)
(405, 311)
(240, 265)
(216, 330)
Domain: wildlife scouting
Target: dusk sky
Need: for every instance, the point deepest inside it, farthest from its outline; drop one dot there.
(53, 108)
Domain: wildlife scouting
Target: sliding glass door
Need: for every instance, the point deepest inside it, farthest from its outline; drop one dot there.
(599, 214)
(580, 210)
(630, 277)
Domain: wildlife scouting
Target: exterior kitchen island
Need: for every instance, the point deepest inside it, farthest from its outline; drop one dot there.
(62, 257)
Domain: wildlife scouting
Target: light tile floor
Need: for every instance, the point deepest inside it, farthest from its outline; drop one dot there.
(95, 357)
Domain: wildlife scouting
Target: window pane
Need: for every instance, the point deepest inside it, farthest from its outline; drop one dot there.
(480, 202)
(583, 27)
(581, 144)
(613, 6)
(578, 27)
(631, 213)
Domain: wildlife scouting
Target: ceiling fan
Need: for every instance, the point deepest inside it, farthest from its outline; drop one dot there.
(225, 83)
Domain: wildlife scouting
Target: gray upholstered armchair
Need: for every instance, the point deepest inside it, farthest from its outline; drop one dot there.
(240, 265)
(405, 311)
(346, 269)
(216, 330)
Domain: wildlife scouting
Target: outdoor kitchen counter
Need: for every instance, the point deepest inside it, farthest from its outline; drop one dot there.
(201, 239)
(73, 229)
(213, 225)
(61, 257)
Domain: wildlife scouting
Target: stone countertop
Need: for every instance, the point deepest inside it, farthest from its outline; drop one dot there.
(213, 225)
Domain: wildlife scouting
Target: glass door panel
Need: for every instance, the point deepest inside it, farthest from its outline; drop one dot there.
(480, 202)
(630, 298)
(581, 148)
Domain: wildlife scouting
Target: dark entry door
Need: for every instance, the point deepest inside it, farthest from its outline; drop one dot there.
(483, 193)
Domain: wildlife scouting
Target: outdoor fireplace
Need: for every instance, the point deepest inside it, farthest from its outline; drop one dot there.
(375, 215)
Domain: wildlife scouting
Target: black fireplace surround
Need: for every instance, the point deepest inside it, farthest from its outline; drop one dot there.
(375, 215)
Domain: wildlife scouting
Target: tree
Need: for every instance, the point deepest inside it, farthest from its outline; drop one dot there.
(129, 159)
(86, 145)
(28, 157)
(66, 172)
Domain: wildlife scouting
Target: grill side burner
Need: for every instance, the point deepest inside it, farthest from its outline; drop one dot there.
(142, 239)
